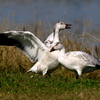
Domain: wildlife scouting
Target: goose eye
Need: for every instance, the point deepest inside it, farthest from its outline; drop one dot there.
(61, 23)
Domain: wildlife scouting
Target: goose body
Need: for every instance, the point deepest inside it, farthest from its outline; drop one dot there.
(77, 61)
(46, 65)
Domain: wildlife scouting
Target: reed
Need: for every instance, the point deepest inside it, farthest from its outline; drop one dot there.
(13, 60)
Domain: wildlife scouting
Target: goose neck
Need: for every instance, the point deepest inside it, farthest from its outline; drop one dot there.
(62, 51)
(56, 35)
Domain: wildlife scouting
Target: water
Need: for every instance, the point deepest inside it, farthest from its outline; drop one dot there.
(26, 11)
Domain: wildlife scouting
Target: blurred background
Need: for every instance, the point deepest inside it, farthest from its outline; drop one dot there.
(76, 12)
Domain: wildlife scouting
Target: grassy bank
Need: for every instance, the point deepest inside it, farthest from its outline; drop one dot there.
(19, 86)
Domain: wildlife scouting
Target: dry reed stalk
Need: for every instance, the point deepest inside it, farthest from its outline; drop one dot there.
(12, 59)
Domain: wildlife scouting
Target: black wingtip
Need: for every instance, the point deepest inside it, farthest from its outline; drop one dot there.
(4, 40)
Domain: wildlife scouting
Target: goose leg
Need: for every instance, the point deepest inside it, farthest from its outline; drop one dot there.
(44, 71)
(78, 74)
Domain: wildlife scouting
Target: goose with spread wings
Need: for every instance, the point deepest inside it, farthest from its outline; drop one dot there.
(76, 61)
(34, 49)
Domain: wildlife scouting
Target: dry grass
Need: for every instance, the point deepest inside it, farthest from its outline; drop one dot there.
(12, 59)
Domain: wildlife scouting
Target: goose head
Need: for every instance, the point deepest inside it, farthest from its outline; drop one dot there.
(61, 26)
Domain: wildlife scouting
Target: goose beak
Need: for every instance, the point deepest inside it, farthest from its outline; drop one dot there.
(52, 49)
(68, 26)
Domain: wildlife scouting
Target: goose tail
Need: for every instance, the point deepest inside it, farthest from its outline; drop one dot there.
(28, 71)
(98, 66)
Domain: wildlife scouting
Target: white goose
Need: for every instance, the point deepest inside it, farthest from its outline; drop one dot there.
(33, 48)
(53, 38)
(76, 61)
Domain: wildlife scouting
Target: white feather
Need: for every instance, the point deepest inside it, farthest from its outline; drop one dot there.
(34, 49)
(77, 61)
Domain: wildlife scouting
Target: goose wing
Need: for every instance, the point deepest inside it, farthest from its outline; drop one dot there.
(85, 57)
(26, 41)
(49, 40)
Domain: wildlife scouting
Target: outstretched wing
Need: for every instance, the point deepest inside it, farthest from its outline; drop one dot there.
(32, 47)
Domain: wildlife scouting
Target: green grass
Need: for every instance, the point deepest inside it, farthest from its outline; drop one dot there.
(19, 86)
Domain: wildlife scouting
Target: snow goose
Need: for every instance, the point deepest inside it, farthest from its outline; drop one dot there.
(54, 37)
(50, 59)
(76, 61)
(33, 48)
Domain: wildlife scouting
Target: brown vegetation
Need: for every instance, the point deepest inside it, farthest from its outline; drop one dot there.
(12, 59)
